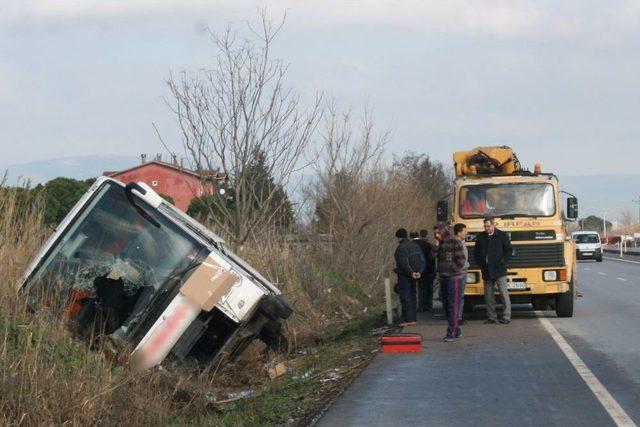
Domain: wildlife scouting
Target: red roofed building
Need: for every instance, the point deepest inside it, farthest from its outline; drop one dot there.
(170, 179)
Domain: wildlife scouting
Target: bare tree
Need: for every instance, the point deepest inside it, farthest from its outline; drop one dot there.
(359, 202)
(628, 223)
(238, 115)
(433, 177)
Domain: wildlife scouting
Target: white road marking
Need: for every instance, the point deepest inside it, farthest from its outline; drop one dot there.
(588, 268)
(622, 260)
(622, 279)
(613, 408)
(601, 273)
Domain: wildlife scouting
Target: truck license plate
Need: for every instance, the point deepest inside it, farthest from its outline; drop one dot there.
(517, 285)
(587, 253)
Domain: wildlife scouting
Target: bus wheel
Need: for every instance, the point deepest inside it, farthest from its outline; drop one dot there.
(564, 303)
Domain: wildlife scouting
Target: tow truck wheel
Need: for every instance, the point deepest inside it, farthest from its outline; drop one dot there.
(599, 258)
(468, 307)
(564, 303)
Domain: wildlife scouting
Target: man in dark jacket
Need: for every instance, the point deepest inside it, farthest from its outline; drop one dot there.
(452, 265)
(409, 266)
(492, 253)
(425, 284)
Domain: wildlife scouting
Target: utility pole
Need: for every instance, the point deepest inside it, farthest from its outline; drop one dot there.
(638, 202)
(604, 223)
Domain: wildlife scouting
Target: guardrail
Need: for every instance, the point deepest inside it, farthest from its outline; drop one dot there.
(633, 253)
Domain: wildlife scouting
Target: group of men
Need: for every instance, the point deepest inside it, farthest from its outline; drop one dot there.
(420, 262)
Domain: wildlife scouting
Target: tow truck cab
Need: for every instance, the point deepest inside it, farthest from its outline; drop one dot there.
(490, 182)
(126, 265)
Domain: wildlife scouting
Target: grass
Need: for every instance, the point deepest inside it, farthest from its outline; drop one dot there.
(49, 377)
(319, 374)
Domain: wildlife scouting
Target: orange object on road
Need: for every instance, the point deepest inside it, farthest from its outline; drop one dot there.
(402, 343)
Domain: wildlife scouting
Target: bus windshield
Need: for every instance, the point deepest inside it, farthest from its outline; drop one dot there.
(500, 200)
(113, 256)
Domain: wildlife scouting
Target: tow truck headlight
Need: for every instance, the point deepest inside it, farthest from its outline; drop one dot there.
(550, 275)
(472, 277)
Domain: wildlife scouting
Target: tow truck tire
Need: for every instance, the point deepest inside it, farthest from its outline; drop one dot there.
(599, 258)
(468, 307)
(564, 303)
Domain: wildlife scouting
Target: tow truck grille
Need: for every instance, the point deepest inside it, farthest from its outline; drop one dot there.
(537, 255)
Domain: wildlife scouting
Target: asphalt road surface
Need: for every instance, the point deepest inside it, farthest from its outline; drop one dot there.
(537, 371)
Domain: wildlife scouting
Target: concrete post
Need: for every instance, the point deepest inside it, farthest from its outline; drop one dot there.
(387, 297)
(621, 240)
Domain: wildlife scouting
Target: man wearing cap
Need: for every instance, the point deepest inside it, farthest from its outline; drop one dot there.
(425, 284)
(410, 264)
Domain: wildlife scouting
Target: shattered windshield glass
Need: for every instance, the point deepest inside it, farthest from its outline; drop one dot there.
(496, 200)
(111, 262)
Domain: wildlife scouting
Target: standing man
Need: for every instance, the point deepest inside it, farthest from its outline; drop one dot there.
(425, 284)
(409, 266)
(460, 231)
(442, 291)
(452, 274)
(492, 253)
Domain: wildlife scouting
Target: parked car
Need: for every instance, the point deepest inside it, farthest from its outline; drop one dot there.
(128, 269)
(588, 245)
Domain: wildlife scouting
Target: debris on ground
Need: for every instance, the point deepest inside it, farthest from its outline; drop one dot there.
(277, 371)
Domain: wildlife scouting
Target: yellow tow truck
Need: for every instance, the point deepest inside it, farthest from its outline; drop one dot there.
(490, 182)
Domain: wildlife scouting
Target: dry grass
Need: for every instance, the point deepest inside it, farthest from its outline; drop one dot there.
(49, 377)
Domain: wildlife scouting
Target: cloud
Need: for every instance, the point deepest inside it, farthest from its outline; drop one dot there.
(476, 17)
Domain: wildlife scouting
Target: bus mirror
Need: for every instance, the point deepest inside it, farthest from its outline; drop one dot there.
(442, 209)
(572, 208)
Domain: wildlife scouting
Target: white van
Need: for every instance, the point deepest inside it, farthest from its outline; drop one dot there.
(588, 245)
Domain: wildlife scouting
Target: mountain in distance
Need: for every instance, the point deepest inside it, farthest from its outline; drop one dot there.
(608, 192)
(84, 167)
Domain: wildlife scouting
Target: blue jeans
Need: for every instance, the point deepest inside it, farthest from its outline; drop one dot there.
(425, 292)
(453, 288)
(463, 285)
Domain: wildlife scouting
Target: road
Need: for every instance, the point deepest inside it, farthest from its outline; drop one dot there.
(516, 374)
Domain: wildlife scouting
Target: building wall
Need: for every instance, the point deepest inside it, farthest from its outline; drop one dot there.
(182, 187)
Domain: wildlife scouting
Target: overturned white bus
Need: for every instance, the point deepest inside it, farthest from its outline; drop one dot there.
(127, 266)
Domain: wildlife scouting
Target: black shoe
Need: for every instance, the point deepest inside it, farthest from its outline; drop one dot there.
(505, 321)
(490, 322)
(458, 333)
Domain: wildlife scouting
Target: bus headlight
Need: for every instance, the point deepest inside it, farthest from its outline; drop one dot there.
(472, 277)
(550, 275)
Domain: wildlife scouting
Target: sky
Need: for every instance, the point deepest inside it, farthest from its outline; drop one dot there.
(556, 80)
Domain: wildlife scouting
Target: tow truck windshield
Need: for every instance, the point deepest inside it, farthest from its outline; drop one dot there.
(111, 254)
(507, 200)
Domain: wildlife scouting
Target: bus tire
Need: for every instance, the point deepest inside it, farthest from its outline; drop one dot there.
(275, 308)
